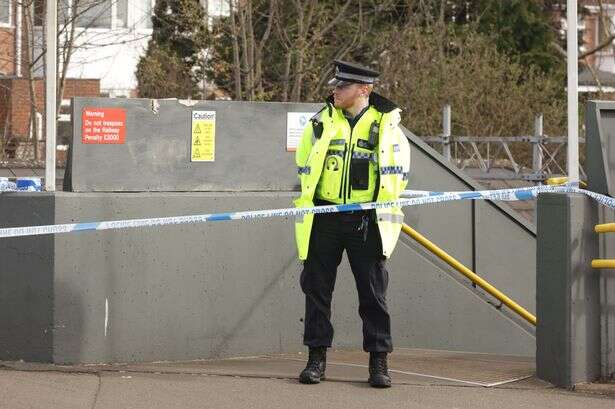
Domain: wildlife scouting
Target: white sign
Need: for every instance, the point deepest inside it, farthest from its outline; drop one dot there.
(295, 123)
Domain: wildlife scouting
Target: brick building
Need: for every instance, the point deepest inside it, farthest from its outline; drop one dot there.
(110, 37)
(21, 96)
(598, 26)
(16, 103)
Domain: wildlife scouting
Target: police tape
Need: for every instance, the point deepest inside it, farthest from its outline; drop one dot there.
(525, 193)
(22, 184)
(421, 198)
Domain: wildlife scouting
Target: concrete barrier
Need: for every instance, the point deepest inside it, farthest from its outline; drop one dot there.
(568, 290)
(231, 288)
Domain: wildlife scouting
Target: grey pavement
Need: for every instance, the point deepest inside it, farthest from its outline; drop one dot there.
(422, 379)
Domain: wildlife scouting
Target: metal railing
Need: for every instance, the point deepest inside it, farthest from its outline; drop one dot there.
(472, 276)
(493, 153)
(604, 263)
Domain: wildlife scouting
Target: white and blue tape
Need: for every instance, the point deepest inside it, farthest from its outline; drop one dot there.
(29, 184)
(526, 193)
(418, 198)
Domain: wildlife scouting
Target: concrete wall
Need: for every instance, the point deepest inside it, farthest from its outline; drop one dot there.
(203, 291)
(606, 245)
(231, 288)
(250, 148)
(600, 165)
(26, 280)
(180, 292)
(574, 335)
(600, 146)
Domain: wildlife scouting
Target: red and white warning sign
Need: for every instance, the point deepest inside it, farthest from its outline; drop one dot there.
(103, 125)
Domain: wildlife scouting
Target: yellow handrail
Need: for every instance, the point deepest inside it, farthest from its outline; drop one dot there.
(469, 274)
(605, 228)
(561, 180)
(603, 263)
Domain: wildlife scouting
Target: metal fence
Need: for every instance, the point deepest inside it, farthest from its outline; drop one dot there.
(532, 158)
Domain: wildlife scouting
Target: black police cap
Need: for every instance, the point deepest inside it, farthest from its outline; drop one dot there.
(347, 72)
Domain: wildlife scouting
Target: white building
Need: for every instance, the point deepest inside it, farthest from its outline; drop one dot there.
(111, 36)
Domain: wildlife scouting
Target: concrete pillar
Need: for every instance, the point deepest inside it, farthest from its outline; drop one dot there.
(567, 290)
(446, 132)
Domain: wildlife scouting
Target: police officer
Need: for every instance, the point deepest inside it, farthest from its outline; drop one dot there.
(353, 151)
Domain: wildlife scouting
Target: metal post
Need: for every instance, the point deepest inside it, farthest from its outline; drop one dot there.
(573, 109)
(536, 152)
(18, 41)
(446, 132)
(51, 30)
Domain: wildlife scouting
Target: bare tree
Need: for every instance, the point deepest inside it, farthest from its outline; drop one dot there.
(279, 47)
(248, 47)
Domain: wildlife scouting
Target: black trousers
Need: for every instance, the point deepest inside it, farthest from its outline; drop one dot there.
(358, 234)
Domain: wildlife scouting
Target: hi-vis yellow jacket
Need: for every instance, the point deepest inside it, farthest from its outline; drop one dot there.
(385, 175)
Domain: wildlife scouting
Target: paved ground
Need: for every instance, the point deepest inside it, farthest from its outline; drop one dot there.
(422, 379)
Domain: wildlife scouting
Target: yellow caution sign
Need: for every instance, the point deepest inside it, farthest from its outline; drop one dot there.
(203, 146)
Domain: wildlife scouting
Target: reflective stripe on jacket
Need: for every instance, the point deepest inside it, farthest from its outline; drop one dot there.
(326, 154)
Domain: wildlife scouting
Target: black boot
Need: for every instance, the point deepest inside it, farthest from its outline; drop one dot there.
(378, 370)
(314, 371)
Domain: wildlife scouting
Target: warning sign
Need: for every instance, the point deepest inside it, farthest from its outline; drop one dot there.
(103, 125)
(203, 136)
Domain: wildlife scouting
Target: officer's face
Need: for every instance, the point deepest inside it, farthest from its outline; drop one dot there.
(345, 96)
